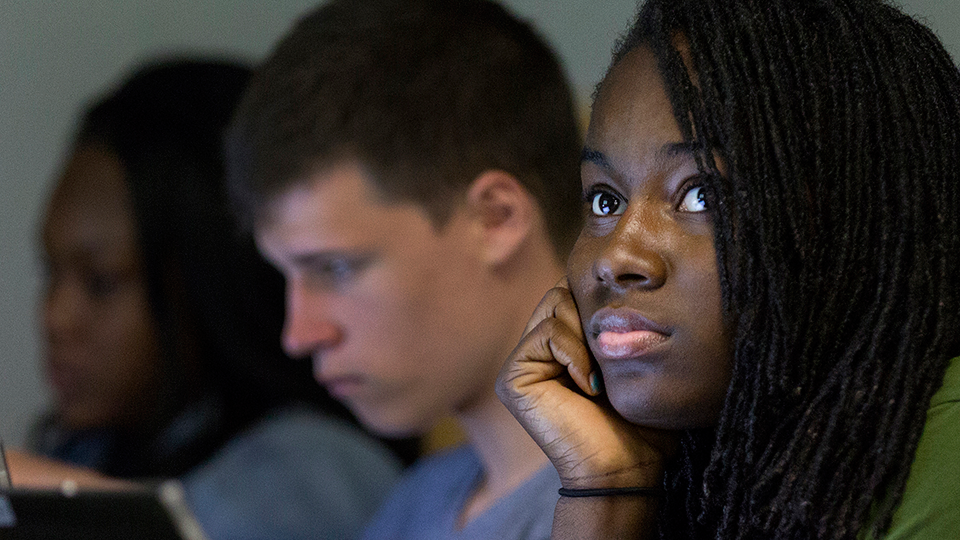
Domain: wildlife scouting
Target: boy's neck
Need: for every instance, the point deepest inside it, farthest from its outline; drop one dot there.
(507, 453)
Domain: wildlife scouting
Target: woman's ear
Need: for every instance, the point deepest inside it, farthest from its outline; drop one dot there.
(505, 213)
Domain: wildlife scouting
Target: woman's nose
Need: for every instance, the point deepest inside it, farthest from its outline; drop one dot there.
(60, 308)
(629, 257)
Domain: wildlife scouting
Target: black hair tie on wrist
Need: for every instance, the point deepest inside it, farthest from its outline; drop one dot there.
(613, 492)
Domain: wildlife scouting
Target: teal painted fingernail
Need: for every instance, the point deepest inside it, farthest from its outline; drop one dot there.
(595, 383)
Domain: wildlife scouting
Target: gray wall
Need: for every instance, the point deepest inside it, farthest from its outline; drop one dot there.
(54, 55)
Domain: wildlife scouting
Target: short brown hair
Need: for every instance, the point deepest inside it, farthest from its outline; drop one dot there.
(426, 94)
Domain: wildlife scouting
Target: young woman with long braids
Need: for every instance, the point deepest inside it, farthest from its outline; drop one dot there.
(759, 334)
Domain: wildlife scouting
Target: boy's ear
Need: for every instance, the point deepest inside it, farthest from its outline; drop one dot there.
(505, 213)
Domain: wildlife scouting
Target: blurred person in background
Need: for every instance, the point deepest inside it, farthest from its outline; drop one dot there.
(162, 325)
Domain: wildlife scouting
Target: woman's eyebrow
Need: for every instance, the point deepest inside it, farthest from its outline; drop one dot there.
(683, 149)
(596, 157)
(669, 150)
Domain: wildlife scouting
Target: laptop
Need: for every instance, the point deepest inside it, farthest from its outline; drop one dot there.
(4, 475)
(149, 513)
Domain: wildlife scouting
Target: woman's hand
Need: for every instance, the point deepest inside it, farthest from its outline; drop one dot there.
(551, 386)
(32, 471)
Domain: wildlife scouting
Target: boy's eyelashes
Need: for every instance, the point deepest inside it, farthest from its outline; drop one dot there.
(338, 270)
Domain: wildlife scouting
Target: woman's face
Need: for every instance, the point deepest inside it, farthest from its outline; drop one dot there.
(102, 348)
(644, 271)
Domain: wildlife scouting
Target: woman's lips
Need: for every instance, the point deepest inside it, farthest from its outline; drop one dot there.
(620, 334)
(616, 345)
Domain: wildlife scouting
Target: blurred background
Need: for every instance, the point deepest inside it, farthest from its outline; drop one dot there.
(57, 55)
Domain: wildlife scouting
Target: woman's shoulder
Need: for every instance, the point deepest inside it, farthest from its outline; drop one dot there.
(949, 391)
(930, 506)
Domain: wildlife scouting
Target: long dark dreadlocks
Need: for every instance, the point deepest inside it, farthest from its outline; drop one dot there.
(837, 241)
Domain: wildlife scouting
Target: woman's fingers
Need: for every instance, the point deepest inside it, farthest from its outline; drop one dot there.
(556, 335)
(588, 443)
(557, 303)
(549, 351)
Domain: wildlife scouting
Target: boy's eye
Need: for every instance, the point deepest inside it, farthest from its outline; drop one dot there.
(695, 200)
(603, 203)
(340, 270)
(337, 272)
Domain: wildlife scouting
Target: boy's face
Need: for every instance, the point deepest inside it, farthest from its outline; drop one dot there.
(390, 308)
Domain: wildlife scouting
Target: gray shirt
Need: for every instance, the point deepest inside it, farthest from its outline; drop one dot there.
(295, 475)
(429, 499)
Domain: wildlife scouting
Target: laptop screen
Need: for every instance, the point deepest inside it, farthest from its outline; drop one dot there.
(148, 513)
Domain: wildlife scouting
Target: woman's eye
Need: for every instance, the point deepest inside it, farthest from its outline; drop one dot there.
(603, 203)
(103, 284)
(695, 200)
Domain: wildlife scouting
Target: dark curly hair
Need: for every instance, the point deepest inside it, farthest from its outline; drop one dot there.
(837, 235)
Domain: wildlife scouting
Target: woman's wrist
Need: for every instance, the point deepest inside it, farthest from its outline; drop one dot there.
(645, 478)
(605, 518)
(631, 491)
